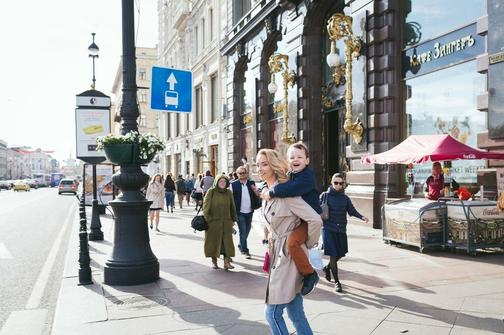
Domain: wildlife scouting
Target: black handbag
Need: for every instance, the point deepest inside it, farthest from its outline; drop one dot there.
(199, 223)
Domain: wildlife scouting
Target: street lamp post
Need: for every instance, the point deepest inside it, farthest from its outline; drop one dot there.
(132, 261)
(95, 233)
(93, 53)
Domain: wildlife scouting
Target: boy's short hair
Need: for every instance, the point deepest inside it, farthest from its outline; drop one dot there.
(300, 146)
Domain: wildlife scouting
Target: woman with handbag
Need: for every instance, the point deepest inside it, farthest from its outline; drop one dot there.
(334, 227)
(220, 213)
(283, 216)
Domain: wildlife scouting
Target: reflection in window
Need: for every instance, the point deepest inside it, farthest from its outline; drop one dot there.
(240, 8)
(425, 19)
(444, 102)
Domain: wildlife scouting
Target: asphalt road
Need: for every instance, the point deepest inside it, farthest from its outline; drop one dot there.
(34, 231)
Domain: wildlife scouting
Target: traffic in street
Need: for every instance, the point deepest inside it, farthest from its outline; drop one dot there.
(34, 230)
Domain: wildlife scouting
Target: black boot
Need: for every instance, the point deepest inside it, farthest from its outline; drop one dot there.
(327, 272)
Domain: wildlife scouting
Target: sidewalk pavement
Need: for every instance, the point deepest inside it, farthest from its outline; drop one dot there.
(387, 290)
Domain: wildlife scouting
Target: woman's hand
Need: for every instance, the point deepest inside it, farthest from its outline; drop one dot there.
(365, 219)
(265, 194)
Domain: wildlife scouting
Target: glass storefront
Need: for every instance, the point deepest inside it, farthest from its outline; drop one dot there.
(444, 102)
(426, 19)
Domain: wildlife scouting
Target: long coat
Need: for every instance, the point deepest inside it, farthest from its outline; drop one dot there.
(155, 193)
(282, 216)
(220, 213)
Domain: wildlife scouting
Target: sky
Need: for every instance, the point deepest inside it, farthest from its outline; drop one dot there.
(45, 64)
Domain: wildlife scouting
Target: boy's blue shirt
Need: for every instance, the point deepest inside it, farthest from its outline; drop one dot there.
(300, 184)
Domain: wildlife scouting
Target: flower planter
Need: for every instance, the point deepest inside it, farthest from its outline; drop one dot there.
(125, 154)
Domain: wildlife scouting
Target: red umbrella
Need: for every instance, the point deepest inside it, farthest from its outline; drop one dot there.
(423, 148)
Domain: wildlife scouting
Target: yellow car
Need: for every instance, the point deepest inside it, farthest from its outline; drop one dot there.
(20, 185)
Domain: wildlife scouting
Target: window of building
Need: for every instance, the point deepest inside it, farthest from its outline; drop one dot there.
(203, 33)
(168, 126)
(444, 102)
(143, 120)
(142, 97)
(187, 122)
(425, 19)
(196, 43)
(142, 74)
(177, 125)
(211, 19)
(214, 97)
(199, 106)
(240, 8)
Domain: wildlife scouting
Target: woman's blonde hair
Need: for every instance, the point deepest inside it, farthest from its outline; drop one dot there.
(154, 178)
(277, 163)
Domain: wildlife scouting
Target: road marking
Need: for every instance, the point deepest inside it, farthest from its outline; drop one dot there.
(4, 252)
(40, 284)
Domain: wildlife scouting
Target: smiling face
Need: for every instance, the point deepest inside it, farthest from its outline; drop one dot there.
(264, 169)
(222, 183)
(297, 159)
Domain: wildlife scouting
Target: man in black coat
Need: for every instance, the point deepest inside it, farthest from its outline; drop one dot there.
(246, 198)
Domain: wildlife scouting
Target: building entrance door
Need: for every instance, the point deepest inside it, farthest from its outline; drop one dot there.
(335, 144)
(214, 157)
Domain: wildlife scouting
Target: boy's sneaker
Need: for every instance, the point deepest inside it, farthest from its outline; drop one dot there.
(337, 286)
(309, 283)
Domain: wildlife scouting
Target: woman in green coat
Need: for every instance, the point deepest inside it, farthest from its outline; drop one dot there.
(220, 213)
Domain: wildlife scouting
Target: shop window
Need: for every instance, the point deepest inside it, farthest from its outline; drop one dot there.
(425, 19)
(444, 102)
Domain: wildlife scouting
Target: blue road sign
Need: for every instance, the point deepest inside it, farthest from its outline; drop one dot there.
(171, 89)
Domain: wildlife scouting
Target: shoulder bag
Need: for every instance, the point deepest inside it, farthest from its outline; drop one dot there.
(325, 209)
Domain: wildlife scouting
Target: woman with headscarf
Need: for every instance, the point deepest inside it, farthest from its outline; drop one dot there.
(220, 213)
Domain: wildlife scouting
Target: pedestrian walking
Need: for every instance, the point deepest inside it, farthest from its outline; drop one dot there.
(246, 198)
(189, 187)
(170, 189)
(198, 192)
(181, 190)
(207, 182)
(283, 215)
(334, 228)
(155, 193)
(220, 213)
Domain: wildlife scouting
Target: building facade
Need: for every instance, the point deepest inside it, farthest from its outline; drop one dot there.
(189, 35)
(148, 120)
(3, 160)
(424, 67)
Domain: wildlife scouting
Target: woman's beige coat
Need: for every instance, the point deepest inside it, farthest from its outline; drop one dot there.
(155, 193)
(282, 216)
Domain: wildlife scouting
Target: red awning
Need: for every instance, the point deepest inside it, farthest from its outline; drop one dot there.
(423, 148)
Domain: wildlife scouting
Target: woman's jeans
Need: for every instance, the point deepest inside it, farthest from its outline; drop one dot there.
(295, 311)
(170, 201)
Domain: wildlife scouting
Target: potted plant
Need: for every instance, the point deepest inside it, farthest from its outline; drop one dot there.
(130, 148)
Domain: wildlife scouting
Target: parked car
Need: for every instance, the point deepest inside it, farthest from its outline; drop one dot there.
(5, 184)
(21, 185)
(67, 186)
(32, 182)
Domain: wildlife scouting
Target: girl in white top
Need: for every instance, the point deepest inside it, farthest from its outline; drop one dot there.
(155, 193)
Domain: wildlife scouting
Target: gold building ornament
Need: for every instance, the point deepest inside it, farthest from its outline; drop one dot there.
(279, 63)
(339, 26)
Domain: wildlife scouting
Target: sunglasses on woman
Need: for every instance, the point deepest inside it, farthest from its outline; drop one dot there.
(337, 183)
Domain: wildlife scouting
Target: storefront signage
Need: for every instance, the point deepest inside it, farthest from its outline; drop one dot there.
(496, 58)
(455, 47)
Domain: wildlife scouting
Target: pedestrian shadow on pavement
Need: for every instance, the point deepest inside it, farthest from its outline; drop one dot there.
(193, 237)
(424, 310)
(164, 298)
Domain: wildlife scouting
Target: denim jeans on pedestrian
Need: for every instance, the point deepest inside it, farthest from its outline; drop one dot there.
(170, 202)
(295, 311)
(244, 225)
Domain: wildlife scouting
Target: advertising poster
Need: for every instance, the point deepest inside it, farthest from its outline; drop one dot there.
(89, 124)
(105, 190)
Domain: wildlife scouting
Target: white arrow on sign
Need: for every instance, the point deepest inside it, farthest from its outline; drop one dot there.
(4, 252)
(172, 81)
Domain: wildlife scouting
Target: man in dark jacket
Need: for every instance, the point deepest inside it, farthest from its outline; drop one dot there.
(246, 198)
(180, 183)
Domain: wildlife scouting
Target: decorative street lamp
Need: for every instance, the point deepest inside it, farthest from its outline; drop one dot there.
(132, 261)
(339, 26)
(280, 63)
(93, 53)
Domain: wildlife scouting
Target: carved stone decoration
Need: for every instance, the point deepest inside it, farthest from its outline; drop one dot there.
(286, 4)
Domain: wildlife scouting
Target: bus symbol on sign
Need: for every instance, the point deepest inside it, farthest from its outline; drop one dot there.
(171, 98)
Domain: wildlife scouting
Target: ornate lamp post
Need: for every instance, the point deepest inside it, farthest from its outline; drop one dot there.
(93, 53)
(132, 261)
(280, 63)
(340, 26)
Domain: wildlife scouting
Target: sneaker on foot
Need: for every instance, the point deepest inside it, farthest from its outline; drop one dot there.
(337, 286)
(265, 242)
(309, 283)
(247, 255)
